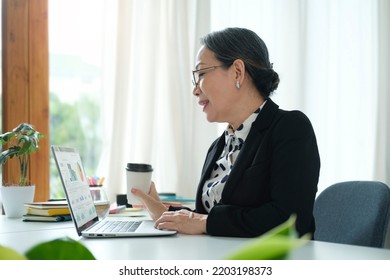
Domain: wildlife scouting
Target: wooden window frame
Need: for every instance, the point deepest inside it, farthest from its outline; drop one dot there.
(25, 83)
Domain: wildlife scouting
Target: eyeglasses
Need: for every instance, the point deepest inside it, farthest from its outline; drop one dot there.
(196, 74)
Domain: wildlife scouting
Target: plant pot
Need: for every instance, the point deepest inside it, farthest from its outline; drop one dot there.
(14, 197)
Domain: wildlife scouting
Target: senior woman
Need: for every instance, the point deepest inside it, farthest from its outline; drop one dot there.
(264, 167)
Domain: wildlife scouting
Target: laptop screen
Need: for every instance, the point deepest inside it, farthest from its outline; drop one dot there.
(76, 186)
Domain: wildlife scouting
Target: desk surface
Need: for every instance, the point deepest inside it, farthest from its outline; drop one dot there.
(21, 236)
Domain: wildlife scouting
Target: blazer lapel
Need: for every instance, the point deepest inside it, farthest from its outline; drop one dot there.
(251, 146)
(212, 157)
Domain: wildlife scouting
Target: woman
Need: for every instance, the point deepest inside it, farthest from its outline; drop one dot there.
(265, 166)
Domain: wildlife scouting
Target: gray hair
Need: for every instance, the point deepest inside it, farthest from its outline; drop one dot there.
(240, 43)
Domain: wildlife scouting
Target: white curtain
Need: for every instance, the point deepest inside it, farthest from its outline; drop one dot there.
(150, 113)
(326, 52)
(331, 55)
(382, 163)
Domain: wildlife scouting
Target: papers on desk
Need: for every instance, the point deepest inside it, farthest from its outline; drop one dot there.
(168, 199)
(115, 209)
(130, 212)
(47, 204)
(173, 198)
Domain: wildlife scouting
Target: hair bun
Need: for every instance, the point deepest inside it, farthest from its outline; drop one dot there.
(266, 80)
(274, 81)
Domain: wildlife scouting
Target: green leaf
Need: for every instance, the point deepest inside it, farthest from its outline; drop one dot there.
(25, 141)
(273, 245)
(7, 253)
(60, 249)
(285, 229)
(26, 145)
(274, 248)
(8, 154)
(23, 128)
(6, 136)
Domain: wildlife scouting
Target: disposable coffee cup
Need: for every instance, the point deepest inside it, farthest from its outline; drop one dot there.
(139, 176)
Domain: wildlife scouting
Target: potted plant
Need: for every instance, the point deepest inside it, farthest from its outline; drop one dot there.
(21, 142)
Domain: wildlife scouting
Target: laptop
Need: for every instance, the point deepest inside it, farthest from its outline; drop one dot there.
(81, 204)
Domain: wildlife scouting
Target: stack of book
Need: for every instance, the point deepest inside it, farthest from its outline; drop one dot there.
(48, 211)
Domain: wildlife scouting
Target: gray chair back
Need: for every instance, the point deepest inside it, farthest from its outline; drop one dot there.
(354, 212)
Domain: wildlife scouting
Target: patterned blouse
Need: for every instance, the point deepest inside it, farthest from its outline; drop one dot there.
(234, 140)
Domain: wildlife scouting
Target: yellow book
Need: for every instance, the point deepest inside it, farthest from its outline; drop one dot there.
(47, 212)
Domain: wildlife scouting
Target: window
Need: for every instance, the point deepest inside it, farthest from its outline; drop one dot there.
(75, 81)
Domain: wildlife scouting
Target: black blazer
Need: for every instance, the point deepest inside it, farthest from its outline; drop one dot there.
(275, 175)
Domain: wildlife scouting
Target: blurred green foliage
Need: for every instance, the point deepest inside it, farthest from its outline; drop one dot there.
(75, 125)
(57, 249)
(275, 244)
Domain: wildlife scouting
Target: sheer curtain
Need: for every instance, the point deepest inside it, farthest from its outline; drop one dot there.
(326, 52)
(382, 163)
(150, 113)
(333, 61)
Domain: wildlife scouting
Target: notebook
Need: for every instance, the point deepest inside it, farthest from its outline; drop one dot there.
(81, 205)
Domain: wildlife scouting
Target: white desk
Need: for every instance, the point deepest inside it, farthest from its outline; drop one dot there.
(21, 236)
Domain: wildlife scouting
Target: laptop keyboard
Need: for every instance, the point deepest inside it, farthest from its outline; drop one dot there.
(117, 226)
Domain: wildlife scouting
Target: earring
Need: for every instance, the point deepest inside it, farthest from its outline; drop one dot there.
(237, 84)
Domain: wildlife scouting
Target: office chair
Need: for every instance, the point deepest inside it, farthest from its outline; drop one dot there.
(354, 212)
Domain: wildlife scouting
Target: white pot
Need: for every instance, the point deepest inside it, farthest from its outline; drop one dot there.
(14, 197)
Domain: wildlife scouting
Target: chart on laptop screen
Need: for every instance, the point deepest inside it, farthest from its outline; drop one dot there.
(76, 186)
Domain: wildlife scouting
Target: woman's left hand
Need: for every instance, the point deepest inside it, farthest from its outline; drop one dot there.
(182, 221)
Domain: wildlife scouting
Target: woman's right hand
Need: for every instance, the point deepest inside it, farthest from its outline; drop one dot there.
(151, 201)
